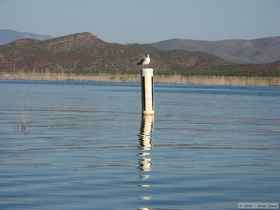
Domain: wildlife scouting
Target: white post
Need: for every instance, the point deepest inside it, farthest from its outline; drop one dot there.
(147, 91)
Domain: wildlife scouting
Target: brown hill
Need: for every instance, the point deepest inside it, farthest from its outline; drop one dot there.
(86, 53)
(258, 51)
(7, 36)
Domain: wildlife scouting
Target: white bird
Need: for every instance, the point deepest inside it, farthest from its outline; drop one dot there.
(145, 61)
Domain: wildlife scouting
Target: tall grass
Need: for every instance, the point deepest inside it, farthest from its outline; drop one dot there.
(172, 78)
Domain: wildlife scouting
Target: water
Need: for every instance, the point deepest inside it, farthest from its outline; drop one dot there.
(83, 145)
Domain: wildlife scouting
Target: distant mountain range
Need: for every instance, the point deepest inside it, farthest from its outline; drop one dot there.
(7, 36)
(255, 51)
(84, 53)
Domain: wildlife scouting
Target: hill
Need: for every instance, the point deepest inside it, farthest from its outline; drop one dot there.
(7, 36)
(256, 51)
(85, 53)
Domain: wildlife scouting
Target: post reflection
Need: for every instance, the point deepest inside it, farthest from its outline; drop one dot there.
(145, 160)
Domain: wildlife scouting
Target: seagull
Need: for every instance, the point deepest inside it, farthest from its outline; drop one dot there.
(145, 60)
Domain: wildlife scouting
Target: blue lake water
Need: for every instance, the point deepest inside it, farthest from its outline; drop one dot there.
(84, 145)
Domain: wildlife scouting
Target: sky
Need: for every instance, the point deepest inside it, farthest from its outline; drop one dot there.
(135, 21)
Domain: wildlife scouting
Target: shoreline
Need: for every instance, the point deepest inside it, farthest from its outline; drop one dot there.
(169, 79)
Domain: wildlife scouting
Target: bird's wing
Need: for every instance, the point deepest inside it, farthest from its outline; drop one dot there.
(141, 61)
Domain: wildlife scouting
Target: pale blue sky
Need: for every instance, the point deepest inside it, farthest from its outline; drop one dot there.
(129, 21)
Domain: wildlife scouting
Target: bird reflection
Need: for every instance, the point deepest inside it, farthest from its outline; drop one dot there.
(145, 161)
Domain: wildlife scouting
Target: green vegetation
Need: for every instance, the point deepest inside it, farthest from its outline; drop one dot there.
(213, 71)
(239, 71)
